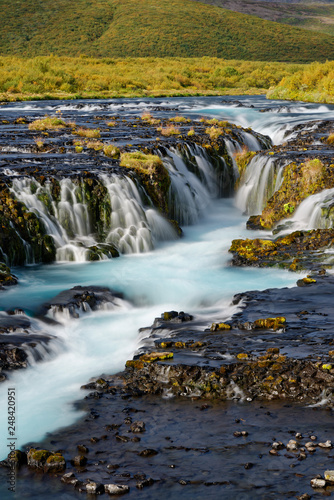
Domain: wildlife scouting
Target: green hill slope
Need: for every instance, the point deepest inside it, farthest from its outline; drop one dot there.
(317, 16)
(160, 28)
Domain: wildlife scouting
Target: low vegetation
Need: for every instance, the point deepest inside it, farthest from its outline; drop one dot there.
(312, 83)
(144, 163)
(169, 130)
(90, 133)
(48, 123)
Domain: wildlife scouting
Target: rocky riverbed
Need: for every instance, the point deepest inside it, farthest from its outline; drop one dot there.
(170, 420)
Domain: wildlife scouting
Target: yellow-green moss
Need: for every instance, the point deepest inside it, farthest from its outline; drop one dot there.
(142, 162)
(156, 356)
(270, 323)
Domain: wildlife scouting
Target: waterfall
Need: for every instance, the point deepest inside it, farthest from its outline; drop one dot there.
(195, 181)
(132, 227)
(263, 176)
(315, 212)
(94, 218)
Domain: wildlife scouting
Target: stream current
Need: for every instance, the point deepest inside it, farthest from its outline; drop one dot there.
(191, 274)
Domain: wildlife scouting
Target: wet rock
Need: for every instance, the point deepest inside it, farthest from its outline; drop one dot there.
(137, 426)
(68, 478)
(145, 482)
(79, 461)
(329, 476)
(94, 488)
(116, 489)
(6, 277)
(292, 445)
(148, 453)
(81, 299)
(326, 445)
(318, 483)
(45, 460)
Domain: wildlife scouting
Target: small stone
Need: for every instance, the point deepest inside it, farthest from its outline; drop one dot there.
(313, 438)
(302, 456)
(292, 445)
(68, 478)
(298, 435)
(138, 426)
(122, 439)
(244, 433)
(116, 489)
(274, 453)
(128, 420)
(146, 482)
(183, 482)
(148, 453)
(79, 461)
(278, 445)
(305, 496)
(140, 476)
(329, 475)
(248, 465)
(135, 439)
(237, 434)
(327, 444)
(113, 466)
(94, 439)
(94, 488)
(318, 483)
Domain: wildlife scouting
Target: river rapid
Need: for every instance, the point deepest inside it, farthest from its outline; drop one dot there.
(190, 274)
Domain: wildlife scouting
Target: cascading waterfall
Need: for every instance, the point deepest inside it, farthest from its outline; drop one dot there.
(315, 212)
(194, 182)
(133, 228)
(263, 176)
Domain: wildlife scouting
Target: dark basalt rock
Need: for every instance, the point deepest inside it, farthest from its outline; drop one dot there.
(81, 299)
(18, 336)
(6, 278)
(296, 251)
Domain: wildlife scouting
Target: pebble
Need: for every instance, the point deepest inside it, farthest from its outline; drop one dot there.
(329, 475)
(326, 444)
(298, 435)
(278, 445)
(138, 426)
(79, 461)
(145, 482)
(95, 488)
(274, 452)
(292, 445)
(314, 438)
(148, 453)
(116, 489)
(249, 465)
(318, 483)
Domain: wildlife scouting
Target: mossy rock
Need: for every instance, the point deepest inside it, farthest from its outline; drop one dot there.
(219, 327)
(156, 356)
(300, 180)
(270, 323)
(296, 251)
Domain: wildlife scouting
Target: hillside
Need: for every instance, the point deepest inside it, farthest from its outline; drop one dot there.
(159, 28)
(316, 16)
